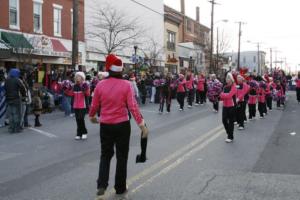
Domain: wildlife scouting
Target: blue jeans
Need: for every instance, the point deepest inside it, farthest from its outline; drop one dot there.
(14, 115)
(66, 103)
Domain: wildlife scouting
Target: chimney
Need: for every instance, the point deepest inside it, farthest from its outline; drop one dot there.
(198, 14)
(183, 7)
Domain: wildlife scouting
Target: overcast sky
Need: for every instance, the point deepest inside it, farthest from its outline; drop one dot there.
(274, 23)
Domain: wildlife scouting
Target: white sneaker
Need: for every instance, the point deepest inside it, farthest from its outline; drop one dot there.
(241, 128)
(71, 115)
(235, 123)
(245, 121)
(77, 138)
(261, 117)
(201, 104)
(196, 104)
(189, 106)
(228, 140)
(84, 137)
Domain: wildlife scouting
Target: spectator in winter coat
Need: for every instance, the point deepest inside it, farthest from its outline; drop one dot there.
(37, 107)
(2, 100)
(15, 91)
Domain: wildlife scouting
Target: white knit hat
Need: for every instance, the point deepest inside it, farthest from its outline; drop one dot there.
(81, 74)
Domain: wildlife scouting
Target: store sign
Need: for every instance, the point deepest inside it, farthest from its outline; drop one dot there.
(43, 46)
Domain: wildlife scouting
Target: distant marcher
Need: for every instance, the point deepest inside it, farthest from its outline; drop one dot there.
(37, 107)
(15, 91)
(298, 87)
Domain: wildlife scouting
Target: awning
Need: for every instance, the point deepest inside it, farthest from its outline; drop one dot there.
(58, 46)
(3, 45)
(16, 40)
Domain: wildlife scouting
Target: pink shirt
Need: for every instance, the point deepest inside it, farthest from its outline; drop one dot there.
(114, 97)
(78, 96)
(227, 98)
(181, 85)
(241, 92)
(200, 85)
(189, 83)
(261, 96)
(297, 83)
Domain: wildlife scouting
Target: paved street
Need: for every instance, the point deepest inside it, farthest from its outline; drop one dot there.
(188, 158)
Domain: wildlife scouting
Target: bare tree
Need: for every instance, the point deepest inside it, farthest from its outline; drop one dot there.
(113, 28)
(224, 43)
(153, 52)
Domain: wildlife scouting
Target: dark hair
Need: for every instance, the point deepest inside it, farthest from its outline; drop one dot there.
(118, 75)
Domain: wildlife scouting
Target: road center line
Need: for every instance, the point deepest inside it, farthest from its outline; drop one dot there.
(178, 161)
(50, 135)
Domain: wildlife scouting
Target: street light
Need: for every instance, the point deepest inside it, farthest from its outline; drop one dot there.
(135, 63)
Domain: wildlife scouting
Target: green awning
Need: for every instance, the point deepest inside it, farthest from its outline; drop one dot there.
(16, 40)
(3, 45)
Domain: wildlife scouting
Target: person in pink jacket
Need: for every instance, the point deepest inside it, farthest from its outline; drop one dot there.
(298, 87)
(200, 93)
(242, 90)
(181, 91)
(80, 92)
(252, 99)
(190, 88)
(228, 96)
(114, 98)
(261, 96)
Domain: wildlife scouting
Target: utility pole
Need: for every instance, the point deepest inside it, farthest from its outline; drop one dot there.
(271, 61)
(217, 59)
(239, 47)
(75, 34)
(258, 60)
(211, 65)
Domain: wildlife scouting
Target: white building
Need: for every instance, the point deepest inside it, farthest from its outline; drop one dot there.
(249, 59)
(150, 15)
(192, 56)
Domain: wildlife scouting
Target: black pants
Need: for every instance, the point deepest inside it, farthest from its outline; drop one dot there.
(228, 121)
(240, 114)
(79, 115)
(116, 135)
(165, 97)
(180, 99)
(244, 110)
(269, 101)
(37, 120)
(252, 110)
(278, 103)
(200, 97)
(261, 108)
(191, 97)
(298, 94)
(216, 105)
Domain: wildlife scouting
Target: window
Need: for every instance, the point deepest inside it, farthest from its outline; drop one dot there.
(57, 20)
(244, 60)
(188, 25)
(254, 59)
(14, 14)
(37, 16)
(171, 44)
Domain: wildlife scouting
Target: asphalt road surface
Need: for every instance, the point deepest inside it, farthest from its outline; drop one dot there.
(187, 158)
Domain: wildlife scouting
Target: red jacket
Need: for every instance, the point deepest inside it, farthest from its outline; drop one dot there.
(181, 85)
(190, 83)
(261, 95)
(200, 84)
(252, 96)
(297, 83)
(78, 95)
(114, 98)
(227, 98)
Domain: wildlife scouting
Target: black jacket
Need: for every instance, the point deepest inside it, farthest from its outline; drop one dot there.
(15, 90)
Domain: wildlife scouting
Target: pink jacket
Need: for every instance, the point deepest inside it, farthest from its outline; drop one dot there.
(181, 85)
(241, 92)
(279, 91)
(297, 83)
(227, 98)
(261, 95)
(78, 96)
(189, 83)
(114, 97)
(200, 84)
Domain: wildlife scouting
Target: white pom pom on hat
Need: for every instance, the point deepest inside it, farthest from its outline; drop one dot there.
(229, 76)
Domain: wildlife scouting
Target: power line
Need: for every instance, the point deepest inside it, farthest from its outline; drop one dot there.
(147, 7)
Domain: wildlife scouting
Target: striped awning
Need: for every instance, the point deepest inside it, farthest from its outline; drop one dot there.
(3, 45)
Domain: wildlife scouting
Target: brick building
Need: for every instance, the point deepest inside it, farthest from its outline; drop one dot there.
(192, 38)
(39, 33)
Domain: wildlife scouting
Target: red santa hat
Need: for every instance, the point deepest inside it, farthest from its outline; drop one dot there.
(113, 63)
